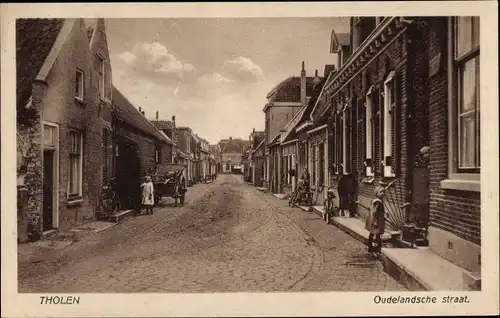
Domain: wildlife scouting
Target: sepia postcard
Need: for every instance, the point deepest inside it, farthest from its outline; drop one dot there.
(249, 159)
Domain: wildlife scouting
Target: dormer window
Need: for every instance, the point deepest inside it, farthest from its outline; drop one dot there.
(102, 83)
(79, 85)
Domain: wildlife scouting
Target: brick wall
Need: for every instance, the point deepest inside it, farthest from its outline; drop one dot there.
(279, 117)
(394, 58)
(60, 107)
(31, 135)
(457, 212)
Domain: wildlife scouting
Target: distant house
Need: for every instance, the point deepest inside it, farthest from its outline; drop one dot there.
(284, 102)
(232, 151)
(186, 145)
(256, 157)
(215, 155)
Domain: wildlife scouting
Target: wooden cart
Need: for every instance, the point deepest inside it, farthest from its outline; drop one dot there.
(172, 184)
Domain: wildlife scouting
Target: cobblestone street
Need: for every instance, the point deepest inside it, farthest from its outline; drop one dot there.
(229, 237)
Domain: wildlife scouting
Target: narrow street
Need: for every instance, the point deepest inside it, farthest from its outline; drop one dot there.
(229, 237)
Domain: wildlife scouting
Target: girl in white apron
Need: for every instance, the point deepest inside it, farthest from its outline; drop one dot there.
(375, 222)
(148, 195)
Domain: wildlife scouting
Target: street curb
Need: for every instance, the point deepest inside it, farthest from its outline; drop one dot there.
(401, 274)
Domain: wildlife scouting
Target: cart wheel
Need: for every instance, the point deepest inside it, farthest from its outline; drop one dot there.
(182, 198)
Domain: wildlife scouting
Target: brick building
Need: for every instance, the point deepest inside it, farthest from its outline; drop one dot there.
(186, 145)
(284, 103)
(232, 155)
(139, 149)
(256, 158)
(403, 108)
(62, 102)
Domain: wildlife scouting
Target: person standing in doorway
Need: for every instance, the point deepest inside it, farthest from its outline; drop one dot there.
(148, 195)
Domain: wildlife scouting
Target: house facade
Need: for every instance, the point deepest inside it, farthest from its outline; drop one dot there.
(256, 158)
(186, 145)
(402, 111)
(232, 155)
(63, 104)
(284, 103)
(139, 149)
(215, 155)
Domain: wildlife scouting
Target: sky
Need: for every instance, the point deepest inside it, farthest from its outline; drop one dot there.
(214, 74)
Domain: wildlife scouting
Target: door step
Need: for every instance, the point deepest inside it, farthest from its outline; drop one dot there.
(120, 216)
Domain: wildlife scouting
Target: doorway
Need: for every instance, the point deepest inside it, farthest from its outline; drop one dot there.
(128, 176)
(48, 190)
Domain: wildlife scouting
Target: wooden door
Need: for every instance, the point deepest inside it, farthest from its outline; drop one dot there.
(48, 190)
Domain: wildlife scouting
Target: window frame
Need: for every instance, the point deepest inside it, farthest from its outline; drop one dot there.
(388, 124)
(102, 77)
(369, 133)
(345, 134)
(457, 179)
(81, 85)
(79, 193)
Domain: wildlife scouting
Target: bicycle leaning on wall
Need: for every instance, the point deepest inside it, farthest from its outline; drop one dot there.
(109, 200)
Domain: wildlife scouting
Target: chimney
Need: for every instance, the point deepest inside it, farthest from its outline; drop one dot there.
(140, 109)
(157, 115)
(143, 114)
(303, 83)
(230, 138)
(328, 69)
(316, 79)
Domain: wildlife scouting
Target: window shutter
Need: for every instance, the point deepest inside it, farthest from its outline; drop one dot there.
(369, 106)
(396, 128)
(360, 125)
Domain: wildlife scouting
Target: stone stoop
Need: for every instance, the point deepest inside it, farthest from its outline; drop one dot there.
(356, 228)
(280, 196)
(319, 210)
(422, 269)
(262, 189)
(306, 208)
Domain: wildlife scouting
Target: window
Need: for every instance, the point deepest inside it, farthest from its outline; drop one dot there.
(345, 138)
(157, 155)
(388, 125)
(102, 82)
(466, 66)
(49, 136)
(369, 133)
(105, 154)
(75, 164)
(79, 85)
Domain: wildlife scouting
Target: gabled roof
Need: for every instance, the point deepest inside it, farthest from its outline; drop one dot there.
(290, 126)
(261, 144)
(34, 40)
(90, 25)
(289, 90)
(163, 124)
(339, 40)
(129, 114)
(234, 146)
(167, 137)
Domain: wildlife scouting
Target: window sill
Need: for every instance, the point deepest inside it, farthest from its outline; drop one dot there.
(80, 101)
(72, 202)
(461, 185)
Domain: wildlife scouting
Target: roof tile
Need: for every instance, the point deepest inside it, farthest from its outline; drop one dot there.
(34, 40)
(128, 113)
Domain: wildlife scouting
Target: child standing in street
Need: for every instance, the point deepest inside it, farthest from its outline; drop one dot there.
(148, 195)
(375, 223)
